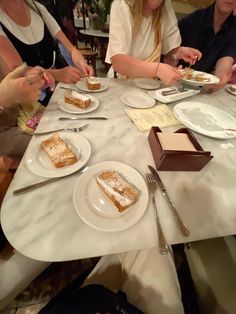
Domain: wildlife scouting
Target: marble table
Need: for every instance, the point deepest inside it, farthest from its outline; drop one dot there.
(44, 225)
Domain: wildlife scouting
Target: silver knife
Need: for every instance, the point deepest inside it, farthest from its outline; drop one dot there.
(82, 118)
(45, 182)
(179, 221)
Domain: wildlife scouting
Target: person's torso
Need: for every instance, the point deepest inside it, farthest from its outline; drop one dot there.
(34, 43)
(203, 37)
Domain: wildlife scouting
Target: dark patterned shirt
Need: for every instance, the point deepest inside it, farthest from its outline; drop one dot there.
(197, 31)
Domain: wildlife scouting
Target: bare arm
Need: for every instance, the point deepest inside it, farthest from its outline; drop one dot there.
(76, 56)
(133, 67)
(10, 57)
(223, 71)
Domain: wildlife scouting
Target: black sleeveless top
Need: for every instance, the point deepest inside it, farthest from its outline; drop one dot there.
(40, 53)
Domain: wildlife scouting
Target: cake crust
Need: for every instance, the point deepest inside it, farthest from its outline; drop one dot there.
(77, 100)
(92, 83)
(122, 193)
(59, 151)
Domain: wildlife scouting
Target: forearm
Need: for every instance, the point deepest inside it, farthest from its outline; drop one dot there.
(60, 36)
(132, 67)
(10, 57)
(223, 69)
(56, 73)
(170, 57)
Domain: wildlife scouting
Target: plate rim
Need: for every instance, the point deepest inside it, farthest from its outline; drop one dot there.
(147, 79)
(97, 103)
(145, 94)
(99, 167)
(73, 166)
(228, 90)
(103, 87)
(209, 133)
(196, 83)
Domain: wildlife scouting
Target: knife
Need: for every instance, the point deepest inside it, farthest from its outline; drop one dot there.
(45, 182)
(82, 118)
(179, 221)
(173, 92)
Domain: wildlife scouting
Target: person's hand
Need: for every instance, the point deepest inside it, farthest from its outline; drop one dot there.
(189, 55)
(168, 74)
(17, 89)
(86, 69)
(81, 64)
(210, 88)
(68, 75)
(49, 80)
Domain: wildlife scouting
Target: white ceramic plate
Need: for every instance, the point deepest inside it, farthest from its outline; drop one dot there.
(137, 99)
(39, 163)
(82, 86)
(157, 94)
(212, 79)
(146, 83)
(231, 89)
(76, 110)
(206, 119)
(96, 209)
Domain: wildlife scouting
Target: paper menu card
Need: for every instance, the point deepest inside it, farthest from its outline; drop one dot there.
(144, 119)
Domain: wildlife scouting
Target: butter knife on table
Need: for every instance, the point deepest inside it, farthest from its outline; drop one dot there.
(179, 221)
(37, 185)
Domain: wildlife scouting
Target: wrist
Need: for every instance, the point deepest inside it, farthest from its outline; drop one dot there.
(156, 73)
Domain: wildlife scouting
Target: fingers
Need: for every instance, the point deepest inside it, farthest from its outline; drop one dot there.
(18, 72)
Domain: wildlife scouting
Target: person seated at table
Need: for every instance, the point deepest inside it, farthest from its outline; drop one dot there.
(148, 279)
(33, 40)
(213, 31)
(18, 87)
(140, 32)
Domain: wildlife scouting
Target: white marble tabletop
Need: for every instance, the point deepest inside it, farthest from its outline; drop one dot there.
(44, 225)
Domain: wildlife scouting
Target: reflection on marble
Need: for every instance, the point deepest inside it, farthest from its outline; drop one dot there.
(43, 224)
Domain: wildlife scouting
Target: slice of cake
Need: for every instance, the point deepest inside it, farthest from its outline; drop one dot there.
(117, 188)
(92, 83)
(59, 152)
(77, 99)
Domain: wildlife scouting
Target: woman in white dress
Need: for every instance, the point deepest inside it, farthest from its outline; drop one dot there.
(142, 31)
(27, 33)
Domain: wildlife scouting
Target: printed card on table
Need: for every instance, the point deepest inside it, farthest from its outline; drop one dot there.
(144, 119)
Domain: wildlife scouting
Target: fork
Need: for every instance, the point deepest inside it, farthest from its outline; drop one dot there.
(76, 130)
(152, 186)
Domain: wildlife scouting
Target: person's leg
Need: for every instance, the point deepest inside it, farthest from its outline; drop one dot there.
(107, 272)
(148, 279)
(13, 142)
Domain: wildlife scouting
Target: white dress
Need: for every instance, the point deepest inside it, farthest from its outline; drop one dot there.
(34, 32)
(120, 35)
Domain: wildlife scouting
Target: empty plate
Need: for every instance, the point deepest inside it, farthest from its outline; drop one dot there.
(146, 83)
(137, 99)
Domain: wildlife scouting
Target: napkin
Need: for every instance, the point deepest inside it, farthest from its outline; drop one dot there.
(144, 119)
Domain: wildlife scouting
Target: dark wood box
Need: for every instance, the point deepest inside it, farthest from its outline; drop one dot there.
(175, 160)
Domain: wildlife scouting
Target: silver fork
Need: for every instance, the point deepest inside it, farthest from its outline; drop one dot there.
(152, 186)
(76, 130)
